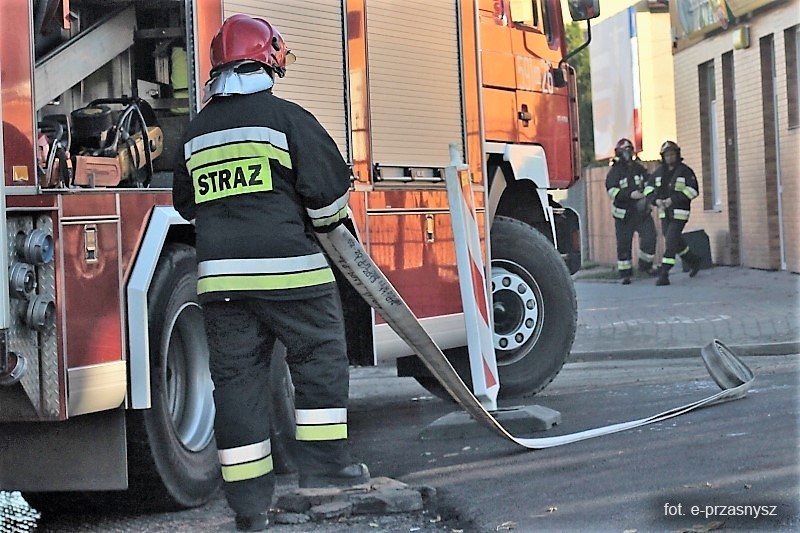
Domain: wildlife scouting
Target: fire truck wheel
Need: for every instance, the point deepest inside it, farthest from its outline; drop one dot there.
(171, 445)
(534, 306)
(282, 420)
(535, 313)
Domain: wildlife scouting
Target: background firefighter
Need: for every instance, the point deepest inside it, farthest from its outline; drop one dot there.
(675, 186)
(628, 188)
(259, 175)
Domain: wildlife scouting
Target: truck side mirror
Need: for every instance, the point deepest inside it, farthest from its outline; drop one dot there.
(584, 9)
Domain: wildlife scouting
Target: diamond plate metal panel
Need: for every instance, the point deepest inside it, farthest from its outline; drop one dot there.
(48, 345)
(40, 349)
(22, 339)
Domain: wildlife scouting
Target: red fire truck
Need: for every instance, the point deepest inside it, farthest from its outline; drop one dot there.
(103, 361)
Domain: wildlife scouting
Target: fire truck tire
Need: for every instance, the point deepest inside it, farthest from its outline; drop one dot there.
(535, 312)
(171, 450)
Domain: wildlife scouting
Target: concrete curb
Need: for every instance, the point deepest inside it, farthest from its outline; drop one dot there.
(777, 348)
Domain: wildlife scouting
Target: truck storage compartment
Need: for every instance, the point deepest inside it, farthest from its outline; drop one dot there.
(414, 82)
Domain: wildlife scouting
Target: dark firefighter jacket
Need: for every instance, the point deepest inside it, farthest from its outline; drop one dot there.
(259, 175)
(680, 185)
(621, 181)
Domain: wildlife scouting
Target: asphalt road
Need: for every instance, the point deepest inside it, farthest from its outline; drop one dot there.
(739, 453)
(689, 473)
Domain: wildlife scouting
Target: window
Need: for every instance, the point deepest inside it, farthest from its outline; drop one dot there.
(790, 39)
(709, 136)
(524, 12)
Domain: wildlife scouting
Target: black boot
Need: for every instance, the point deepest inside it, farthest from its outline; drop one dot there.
(663, 276)
(348, 476)
(625, 275)
(693, 261)
(256, 522)
(646, 268)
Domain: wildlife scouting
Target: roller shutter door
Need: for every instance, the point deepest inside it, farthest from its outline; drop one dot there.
(414, 81)
(313, 30)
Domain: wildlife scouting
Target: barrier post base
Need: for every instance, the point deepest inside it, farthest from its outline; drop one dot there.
(518, 420)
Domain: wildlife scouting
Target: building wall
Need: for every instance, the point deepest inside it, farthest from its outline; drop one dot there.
(656, 82)
(759, 247)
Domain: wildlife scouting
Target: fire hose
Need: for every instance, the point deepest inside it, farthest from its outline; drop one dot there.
(347, 254)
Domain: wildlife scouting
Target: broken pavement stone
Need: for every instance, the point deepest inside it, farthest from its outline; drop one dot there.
(290, 518)
(380, 483)
(335, 509)
(387, 501)
(381, 495)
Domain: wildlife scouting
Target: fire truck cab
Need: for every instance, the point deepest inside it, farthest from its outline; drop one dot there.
(104, 382)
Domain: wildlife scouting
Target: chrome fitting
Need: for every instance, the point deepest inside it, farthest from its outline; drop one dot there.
(35, 247)
(12, 366)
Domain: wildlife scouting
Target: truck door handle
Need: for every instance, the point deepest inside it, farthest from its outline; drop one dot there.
(524, 115)
(429, 233)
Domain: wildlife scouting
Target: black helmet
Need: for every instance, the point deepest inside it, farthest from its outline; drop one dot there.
(670, 145)
(624, 150)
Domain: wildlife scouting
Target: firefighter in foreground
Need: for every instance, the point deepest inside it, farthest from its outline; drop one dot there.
(628, 187)
(675, 186)
(259, 175)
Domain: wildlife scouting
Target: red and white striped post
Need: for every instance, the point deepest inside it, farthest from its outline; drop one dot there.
(472, 282)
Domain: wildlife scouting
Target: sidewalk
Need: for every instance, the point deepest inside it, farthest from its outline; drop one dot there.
(754, 312)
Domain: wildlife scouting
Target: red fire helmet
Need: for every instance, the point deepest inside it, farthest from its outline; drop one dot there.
(242, 37)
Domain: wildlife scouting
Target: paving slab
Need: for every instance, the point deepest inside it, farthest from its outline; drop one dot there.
(755, 312)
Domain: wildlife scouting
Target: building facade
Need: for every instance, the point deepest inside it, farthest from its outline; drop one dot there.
(738, 125)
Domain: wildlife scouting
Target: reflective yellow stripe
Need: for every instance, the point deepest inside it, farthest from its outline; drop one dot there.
(690, 192)
(326, 432)
(240, 150)
(668, 261)
(247, 470)
(330, 209)
(623, 265)
(646, 256)
(680, 214)
(618, 212)
(321, 222)
(613, 192)
(265, 282)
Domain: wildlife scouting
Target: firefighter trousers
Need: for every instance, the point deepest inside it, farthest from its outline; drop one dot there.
(674, 243)
(641, 223)
(241, 337)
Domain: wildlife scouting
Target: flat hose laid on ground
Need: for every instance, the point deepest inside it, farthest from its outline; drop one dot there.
(347, 254)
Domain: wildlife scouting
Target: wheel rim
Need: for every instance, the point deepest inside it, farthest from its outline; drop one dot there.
(187, 382)
(518, 310)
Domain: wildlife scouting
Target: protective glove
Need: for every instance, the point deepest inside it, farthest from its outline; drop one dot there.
(637, 195)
